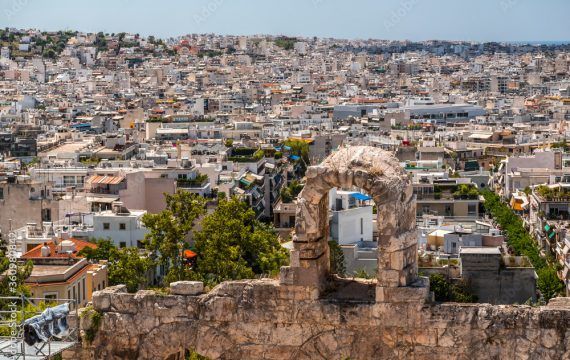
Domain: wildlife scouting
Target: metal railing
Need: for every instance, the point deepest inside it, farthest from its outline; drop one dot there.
(13, 345)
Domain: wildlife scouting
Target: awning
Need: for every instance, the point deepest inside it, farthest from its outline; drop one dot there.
(294, 157)
(100, 199)
(361, 197)
(104, 179)
(188, 254)
(547, 227)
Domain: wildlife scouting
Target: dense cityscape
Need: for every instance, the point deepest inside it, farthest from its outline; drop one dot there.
(135, 166)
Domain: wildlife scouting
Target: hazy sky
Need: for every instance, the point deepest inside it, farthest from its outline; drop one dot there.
(480, 20)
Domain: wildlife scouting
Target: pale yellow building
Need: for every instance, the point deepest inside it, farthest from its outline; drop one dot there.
(59, 273)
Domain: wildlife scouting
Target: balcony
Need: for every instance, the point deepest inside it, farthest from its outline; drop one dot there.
(562, 216)
(199, 182)
(445, 197)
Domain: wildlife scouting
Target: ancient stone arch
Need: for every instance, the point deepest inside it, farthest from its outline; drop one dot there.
(382, 177)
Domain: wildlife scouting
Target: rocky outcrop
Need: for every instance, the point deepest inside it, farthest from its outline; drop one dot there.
(259, 319)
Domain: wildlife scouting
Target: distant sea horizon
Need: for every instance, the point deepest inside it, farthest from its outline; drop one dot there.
(565, 42)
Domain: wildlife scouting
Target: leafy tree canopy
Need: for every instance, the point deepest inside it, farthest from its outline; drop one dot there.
(126, 266)
(234, 245)
(169, 229)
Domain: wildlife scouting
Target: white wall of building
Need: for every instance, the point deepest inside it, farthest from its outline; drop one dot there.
(132, 232)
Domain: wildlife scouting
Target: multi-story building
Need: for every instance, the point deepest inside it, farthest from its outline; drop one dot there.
(437, 194)
(352, 217)
(59, 272)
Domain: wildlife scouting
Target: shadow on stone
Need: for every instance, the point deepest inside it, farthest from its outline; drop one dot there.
(350, 290)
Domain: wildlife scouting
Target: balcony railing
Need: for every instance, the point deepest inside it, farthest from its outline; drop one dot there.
(191, 184)
(102, 191)
(559, 216)
(445, 197)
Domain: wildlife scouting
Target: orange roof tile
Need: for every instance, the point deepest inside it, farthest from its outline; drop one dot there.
(79, 245)
(104, 179)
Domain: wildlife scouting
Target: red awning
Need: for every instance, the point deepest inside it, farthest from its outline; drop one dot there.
(188, 254)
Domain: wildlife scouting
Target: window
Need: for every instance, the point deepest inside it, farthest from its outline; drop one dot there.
(79, 292)
(46, 214)
(83, 282)
(1, 193)
(472, 209)
(338, 204)
(106, 226)
(68, 180)
(361, 226)
(122, 244)
(50, 296)
(122, 226)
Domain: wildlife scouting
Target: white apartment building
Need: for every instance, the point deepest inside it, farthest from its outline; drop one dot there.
(124, 227)
(352, 217)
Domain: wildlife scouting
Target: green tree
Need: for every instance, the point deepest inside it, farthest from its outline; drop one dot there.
(286, 43)
(100, 42)
(234, 245)
(440, 287)
(548, 283)
(444, 290)
(127, 266)
(169, 229)
(12, 284)
(337, 259)
(104, 251)
(522, 243)
(299, 148)
(290, 192)
(50, 53)
(363, 274)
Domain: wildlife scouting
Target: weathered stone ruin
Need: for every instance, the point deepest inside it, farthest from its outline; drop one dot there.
(379, 174)
(304, 316)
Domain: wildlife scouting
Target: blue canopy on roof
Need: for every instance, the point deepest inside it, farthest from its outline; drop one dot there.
(294, 157)
(359, 196)
(286, 147)
(82, 125)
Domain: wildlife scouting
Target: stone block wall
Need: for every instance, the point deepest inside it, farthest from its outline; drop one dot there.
(261, 319)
